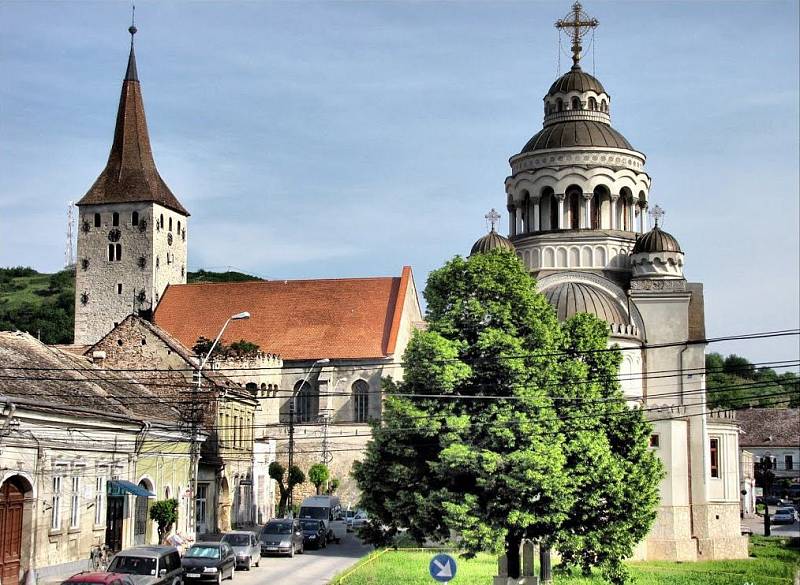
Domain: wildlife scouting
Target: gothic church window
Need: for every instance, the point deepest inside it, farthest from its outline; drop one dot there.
(115, 219)
(96, 220)
(360, 401)
(303, 402)
(135, 218)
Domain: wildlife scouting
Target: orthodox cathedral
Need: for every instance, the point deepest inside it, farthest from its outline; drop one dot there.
(577, 200)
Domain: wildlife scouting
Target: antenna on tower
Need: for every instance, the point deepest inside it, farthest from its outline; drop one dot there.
(69, 249)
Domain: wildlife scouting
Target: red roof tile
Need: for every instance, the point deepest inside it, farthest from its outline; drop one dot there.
(349, 318)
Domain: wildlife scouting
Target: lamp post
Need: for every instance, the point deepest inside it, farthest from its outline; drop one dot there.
(325, 417)
(194, 451)
(292, 405)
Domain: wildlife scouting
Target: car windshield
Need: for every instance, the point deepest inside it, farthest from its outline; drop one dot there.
(133, 565)
(310, 524)
(278, 528)
(202, 552)
(316, 513)
(237, 539)
(785, 511)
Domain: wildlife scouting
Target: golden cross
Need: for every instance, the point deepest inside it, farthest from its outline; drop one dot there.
(580, 23)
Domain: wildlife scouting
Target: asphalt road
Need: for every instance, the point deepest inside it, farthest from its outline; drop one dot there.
(314, 567)
(757, 526)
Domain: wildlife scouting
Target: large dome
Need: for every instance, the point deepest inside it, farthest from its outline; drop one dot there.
(571, 298)
(576, 80)
(491, 241)
(656, 240)
(576, 133)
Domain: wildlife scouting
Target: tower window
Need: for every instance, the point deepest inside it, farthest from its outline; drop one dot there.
(576, 103)
(115, 218)
(560, 105)
(592, 103)
(96, 220)
(111, 252)
(179, 226)
(161, 221)
(135, 218)
(119, 288)
(714, 448)
(170, 224)
(118, 248)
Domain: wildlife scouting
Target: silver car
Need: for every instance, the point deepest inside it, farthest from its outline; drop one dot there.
(245, 546)
(149, 565)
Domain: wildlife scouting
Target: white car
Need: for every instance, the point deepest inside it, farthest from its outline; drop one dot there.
(784, 516)
(360, 519)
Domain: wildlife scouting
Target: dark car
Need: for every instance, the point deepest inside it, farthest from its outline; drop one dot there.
(96, 578)
(208, 562)
(314, 533)
(282, 537)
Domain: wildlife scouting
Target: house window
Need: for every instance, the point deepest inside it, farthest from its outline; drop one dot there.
(115, 219)
(235, 433)
(135, 218)
(96, 220)
(788, 462)
(241, 431)
(360, 401)
(654, 441)
(714, 444)
(99, 499)
(75, 503)
(55, 503)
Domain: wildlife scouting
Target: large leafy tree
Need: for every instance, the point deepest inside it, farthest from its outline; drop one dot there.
(477, 438)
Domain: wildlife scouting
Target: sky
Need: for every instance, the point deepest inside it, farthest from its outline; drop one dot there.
(349, 138)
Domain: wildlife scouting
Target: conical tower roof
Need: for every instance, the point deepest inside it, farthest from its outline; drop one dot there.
(130, 174)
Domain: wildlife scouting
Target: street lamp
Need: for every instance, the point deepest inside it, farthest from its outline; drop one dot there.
(195, 452)
(292, 406)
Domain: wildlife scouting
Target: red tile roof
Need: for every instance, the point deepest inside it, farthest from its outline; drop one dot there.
(349, 318)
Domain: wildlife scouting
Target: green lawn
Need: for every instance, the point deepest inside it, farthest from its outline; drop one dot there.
(771, 562)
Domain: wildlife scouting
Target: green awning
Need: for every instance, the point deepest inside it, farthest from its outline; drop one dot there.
(120, 487)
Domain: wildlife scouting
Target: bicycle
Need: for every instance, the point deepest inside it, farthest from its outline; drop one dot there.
(99, 557)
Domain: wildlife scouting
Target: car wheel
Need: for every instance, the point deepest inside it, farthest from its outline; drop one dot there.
(219, 578)
(291, 554)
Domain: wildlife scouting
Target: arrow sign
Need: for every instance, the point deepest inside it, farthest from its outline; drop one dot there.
(442, 568)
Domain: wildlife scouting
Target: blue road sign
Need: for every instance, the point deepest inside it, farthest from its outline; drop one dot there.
(442, 568)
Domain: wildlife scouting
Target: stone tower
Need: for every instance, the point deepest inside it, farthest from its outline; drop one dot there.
(132, 235)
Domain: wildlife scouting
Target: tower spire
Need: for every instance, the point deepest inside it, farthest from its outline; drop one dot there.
(580, 23)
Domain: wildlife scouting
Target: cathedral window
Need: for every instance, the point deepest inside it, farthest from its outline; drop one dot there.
(714, 457)
(603, 106)
(179, 226)
(592, 103)
(96, 220)
(135, 218)
(115, 219)
(303, 402)
(161, 221)
(360, 401)
(170, 224)
(560, 105)
(574, 200)
(576, 103)
(111, 252)
(118, 250)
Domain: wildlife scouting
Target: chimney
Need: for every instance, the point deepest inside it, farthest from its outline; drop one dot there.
(98, 357)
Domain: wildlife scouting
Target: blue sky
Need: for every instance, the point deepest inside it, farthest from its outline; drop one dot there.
(330, 139)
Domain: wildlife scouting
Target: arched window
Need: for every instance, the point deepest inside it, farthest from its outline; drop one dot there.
(179, 226)
(560, 105)
(96, 220)
(624, 205)
(360, 401)
(115, 219)
(118, 248)
(161, 221)
(574, 201)
(303, 403)
(592, 103)
(252, 386)
(576, 103)
(603, 106)
(596, 210)
(170, 224)
(135, 218)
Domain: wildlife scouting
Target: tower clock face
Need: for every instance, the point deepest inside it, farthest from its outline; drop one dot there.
(114, 235)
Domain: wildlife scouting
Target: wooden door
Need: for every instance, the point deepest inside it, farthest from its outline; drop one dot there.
(12, 502)
(114, 511)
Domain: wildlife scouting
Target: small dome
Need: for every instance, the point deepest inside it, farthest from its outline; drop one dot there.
(571, 298)
(491, 241)
(576, 133)
(656, 240)
(576, 80)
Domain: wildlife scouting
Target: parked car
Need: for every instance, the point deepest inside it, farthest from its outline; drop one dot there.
(282, 537)
(329, 510)
(209, 562)
(776, 501)
(784, 515)
(348, 518)
(360, 519)
(245, 547)
(314, 533)
(149, 565)
(98, 578)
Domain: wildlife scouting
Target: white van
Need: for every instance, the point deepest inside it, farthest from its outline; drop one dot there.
(329, 510)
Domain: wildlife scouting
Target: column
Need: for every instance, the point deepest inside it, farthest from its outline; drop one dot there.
(632, 216)
(644, 218)
(561, 197)
(587, 210)
(520, 223)
(641, 217)
(511, 220)
(614, 220)
(537, 225)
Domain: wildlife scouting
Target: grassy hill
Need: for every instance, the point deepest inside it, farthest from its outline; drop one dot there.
(43, 304)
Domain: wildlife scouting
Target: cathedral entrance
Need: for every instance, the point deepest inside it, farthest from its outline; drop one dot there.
(12, 511)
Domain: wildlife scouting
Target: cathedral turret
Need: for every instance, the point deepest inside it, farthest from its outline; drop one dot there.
(132, 229)
(657, 254)
(577, 194)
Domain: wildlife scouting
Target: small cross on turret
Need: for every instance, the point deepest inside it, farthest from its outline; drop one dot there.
(657, 213)
(580, 23)
(491, 219)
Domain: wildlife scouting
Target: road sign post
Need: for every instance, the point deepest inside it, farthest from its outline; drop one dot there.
(442, 568)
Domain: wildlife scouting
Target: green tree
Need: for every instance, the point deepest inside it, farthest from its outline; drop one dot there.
(165, 514)
(285, 484)
(496, 471)
(333, 485)
(318, 474)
